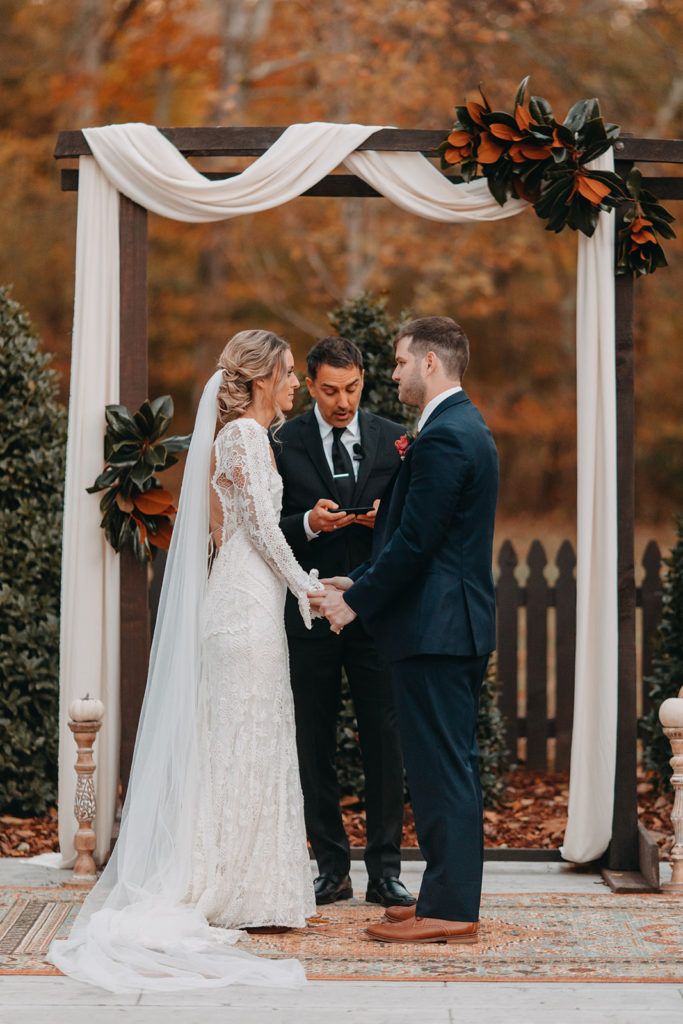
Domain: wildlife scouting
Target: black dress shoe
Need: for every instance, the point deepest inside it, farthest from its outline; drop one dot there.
(390, 892)
(330, 888)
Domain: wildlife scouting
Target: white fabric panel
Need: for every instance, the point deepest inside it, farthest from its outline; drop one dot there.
(594, 738)
(138, 161)
(415, 184)
(89, 636)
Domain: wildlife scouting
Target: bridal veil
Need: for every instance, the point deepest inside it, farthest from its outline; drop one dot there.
(136, 930)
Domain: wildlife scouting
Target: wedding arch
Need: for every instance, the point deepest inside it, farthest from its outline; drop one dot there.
(127, 170)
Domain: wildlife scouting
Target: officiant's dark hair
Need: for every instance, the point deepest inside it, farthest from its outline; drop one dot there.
(333, 351)
(443, 336)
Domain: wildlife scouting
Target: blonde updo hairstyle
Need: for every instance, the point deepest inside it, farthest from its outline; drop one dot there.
(249, 356)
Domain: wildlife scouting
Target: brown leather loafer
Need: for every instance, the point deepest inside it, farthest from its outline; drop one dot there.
(424, 929)
(399, 913)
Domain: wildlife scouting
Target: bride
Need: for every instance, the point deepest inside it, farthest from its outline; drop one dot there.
(212, 837)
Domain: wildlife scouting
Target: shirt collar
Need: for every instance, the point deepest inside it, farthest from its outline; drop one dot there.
(326, 428)
(431, 405)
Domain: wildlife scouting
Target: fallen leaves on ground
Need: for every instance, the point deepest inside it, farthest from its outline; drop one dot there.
(26, 837)
(533, 813)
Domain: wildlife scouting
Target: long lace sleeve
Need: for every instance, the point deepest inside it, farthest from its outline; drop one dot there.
(243, 460)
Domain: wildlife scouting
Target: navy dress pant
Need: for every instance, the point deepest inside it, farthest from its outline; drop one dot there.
(437, 703)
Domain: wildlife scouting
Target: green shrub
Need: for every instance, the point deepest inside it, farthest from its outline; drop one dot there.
(32, 452)
(365, 321)
(666, 678)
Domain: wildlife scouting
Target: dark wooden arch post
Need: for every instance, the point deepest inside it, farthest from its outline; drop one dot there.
(623, 852)
(134, 604)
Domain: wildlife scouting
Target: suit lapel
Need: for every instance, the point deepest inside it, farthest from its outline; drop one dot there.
(369, 440)
(314, 447)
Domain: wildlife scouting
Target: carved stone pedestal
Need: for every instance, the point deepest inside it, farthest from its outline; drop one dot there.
(85, 869)
(671, 717)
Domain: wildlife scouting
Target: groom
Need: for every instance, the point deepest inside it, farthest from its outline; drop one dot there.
(427, 597)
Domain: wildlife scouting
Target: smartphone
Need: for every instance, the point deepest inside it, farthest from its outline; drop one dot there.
(361, 511)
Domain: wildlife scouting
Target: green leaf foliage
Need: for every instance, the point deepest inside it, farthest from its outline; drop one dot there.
(531, 155)
(134, 453)
(366, 321)
(666, 678)
(32, 457)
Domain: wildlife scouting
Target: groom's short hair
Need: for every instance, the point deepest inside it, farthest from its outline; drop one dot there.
(441, 335)
(333, 351)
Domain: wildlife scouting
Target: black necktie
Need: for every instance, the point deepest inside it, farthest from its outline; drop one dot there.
(343, 467)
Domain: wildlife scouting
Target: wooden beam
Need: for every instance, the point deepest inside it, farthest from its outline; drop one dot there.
(340, 185)
(233, 141)
(623, 854)
(134, 604)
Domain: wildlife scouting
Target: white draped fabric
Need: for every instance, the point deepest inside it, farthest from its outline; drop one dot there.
(138, 161)
(594, 737)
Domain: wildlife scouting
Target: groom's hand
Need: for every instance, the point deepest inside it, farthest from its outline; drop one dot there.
(324, 519)
(332, 605)
(338, 582)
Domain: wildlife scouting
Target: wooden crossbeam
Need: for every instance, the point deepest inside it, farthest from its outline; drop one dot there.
(233, 141)
(341, 185)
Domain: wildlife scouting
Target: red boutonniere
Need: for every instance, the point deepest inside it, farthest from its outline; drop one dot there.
(402, 444)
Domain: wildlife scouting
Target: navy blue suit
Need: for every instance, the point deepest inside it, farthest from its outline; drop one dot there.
(427, 597)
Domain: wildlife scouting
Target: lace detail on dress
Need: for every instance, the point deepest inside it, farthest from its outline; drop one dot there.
(243, 480)
(250, 862)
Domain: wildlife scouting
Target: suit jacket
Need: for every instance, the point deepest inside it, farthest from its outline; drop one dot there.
(306, 476)
(428, 586)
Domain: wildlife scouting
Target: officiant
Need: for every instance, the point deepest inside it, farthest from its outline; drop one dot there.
(335, 458)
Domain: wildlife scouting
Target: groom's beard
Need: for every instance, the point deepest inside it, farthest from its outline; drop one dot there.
(412, 391)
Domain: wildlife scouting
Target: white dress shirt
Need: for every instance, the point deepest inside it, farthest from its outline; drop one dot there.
(350, 437)
(432, 404)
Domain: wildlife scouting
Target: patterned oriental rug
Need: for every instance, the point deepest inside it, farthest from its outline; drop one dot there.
(524, 938)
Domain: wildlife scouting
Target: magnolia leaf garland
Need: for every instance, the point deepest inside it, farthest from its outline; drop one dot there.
(137, 511)
(532, 156)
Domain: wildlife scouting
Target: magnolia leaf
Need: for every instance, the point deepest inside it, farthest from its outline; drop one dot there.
(177, 443)
(540, 110)
(154, 501)
(109, 499)
(161, 538)
(105, 479)
(140, 474)
(155, 455)
(125, 504)
(634, 182)
(144, 419)
(121, 424)
(499, 117)
(521, 92)
(162, 411)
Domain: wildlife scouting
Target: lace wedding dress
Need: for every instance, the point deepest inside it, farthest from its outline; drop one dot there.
(250, 863)
(212, 834)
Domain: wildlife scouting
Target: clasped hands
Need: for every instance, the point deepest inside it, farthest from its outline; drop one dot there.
(330, 602)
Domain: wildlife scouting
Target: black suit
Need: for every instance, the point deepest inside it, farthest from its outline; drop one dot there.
(318, 657)
(427, 597)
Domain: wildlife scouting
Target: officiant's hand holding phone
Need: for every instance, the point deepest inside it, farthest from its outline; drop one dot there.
(326, 516)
